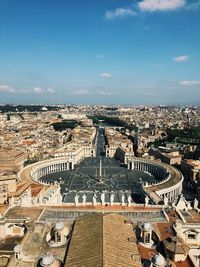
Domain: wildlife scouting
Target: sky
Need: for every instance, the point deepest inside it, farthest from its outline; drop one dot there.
(100, 52)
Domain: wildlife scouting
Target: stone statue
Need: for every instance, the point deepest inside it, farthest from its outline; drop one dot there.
(84, 197)
(76, 199)
(129, 200)
(12, 201)
(112, 199)
(174, 205)
(102, 199)
(34, 202)
(94, 199)
(123, 200)
(196, 204)
(165, 201)
(40, 199)
(189, 205)
(146, 200)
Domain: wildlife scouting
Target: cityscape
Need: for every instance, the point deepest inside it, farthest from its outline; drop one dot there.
(67, 172)
(99, 133)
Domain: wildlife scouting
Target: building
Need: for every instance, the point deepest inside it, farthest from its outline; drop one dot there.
(12, 160)
(166, 155)
(191, 169)
(7, 185)
(118, 145)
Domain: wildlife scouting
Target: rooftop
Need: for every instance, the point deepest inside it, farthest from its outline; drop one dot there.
(103, 240)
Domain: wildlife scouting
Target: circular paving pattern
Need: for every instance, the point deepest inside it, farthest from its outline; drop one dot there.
(108, 176)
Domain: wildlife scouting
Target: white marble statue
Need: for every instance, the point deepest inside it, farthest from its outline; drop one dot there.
(12, 201)
(112, 199)
(40, 199)
(146, 201)
(84, 197)
(129, 200)
(189, 205)
(76, 199)
(166, 201)
(102, 199)
(94, 198)
(174, 205)
(123, 199)
(196, 204)
(34, 202)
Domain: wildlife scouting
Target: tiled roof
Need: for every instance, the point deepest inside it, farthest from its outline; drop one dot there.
(103, 240)
(176, 245)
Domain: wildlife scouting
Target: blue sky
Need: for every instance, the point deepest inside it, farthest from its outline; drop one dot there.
(100, 52)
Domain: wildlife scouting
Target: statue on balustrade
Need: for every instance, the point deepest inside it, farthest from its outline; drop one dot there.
(103, 199)
(129, 200)
(146, 201)
(76, 199)
(112, 199)
(123, 199)
(196, 204)
(166, 201)
(84, 198)
(94, 198)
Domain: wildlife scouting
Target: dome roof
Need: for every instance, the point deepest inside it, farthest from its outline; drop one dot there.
(158, 260)
(176, 245)
(17, 248)
(146, 226)
(47, 260)
(59, 225)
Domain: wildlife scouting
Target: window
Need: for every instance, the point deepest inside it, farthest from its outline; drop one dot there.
(147, 238)
(191, 236)
(58, 237)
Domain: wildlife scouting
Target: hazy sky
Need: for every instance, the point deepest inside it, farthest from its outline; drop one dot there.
(100, 51)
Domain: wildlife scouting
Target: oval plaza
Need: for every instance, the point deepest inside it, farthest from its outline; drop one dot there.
(102, 177)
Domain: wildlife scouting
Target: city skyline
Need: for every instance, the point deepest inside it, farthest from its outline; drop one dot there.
(100, 52)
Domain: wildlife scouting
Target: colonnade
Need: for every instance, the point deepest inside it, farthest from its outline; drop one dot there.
(172, 193)
(46, 169)
(154, 169)
(163, 173)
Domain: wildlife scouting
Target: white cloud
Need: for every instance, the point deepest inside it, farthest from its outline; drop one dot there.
(87, 92)
(160, 5)
(106, 75)
(6, 89)
(120, 12)
(190, 83)
(181, 58)
(38, 90)
(105, 93)
(50, 90)
(101, 56)
(80, 92)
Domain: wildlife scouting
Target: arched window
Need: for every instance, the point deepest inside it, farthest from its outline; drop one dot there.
(58, 237)
(147, 238)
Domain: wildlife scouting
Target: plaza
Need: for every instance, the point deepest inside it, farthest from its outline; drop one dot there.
(89, 177)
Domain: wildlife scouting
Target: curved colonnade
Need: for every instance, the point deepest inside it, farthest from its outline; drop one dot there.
(169, 184)
(39, 169)
(154, 169)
